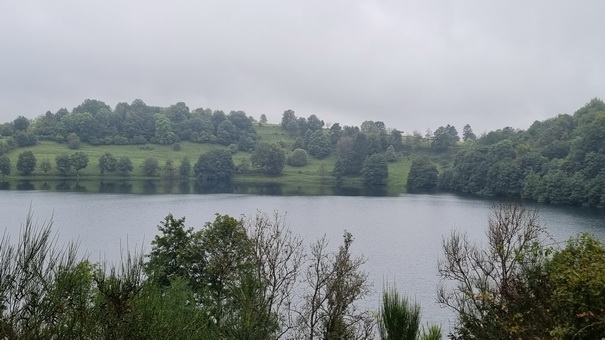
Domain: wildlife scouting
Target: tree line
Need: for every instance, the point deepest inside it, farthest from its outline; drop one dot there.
(95, 123)
(255, 279)
(560, 160)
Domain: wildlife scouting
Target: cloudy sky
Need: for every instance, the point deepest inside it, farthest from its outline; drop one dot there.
(412, 64)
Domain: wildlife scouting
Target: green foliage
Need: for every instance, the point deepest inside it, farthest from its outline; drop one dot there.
(298, 157)
(226, 133)
(107, 162)
(23, 138)
(45, 292)
(215, 166)
(577, 285)
(150, 166)
(21, 123)
(219, 264)
(5, 165)
(124, 165)
(351, 153)
(319, 145)
(79, 161)
(26, 163)
(375, 171)
(270, 158)
(398, 318)
(444, 137)
(390, 154)
(169, 170)
(516, 288)
(63, 163)
(185, 167)
(467, 133)
(288, 121)
(173, 254)
(423, 175)
(73, 141)
(163, 129)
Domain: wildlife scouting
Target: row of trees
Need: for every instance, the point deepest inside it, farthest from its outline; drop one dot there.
(64, 163)
(96, 123)
(360, 151)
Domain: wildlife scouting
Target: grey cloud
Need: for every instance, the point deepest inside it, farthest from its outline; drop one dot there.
(411, 64)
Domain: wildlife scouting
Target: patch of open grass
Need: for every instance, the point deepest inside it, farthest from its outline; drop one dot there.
(317, 173)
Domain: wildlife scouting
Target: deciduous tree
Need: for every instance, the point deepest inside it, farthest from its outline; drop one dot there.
(63, 163)
(79, 161)
(5, 166)
(215, 166)
(124, 165)
(270, 158)
(150, 166)
(375, 171)
(107, 162)
(185, 167)
(423, 174)
(26, 163)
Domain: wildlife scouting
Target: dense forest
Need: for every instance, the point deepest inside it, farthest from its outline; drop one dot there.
(254, 279)
(559, 160)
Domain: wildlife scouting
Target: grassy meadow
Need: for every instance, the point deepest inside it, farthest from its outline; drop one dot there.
(316, 174)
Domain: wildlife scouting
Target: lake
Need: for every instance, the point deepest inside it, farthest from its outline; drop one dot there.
(400, 236)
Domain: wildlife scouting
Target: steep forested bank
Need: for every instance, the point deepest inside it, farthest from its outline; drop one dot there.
(559, 160)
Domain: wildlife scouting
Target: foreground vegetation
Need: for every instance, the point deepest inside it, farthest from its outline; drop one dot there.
(255, 279)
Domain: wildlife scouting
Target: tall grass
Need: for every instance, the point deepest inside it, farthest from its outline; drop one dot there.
(399, 319)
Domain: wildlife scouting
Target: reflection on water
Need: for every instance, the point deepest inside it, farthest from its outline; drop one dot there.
(172, 186)
(25, 185)
(120, 187)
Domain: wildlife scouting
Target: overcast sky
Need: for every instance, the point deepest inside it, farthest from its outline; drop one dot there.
(412, 64)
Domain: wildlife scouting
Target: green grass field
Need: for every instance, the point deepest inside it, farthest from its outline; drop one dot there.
(317, 173)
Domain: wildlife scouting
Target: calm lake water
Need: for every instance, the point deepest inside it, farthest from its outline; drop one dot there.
(400, 236)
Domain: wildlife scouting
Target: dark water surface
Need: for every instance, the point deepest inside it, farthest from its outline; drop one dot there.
(400, 236)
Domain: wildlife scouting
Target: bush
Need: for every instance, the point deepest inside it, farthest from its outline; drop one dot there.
(298, 157)
(120, 140)
(73, 141)
(25, 138)
(150, 166)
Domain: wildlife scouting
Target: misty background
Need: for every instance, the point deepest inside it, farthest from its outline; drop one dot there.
(411, 64)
